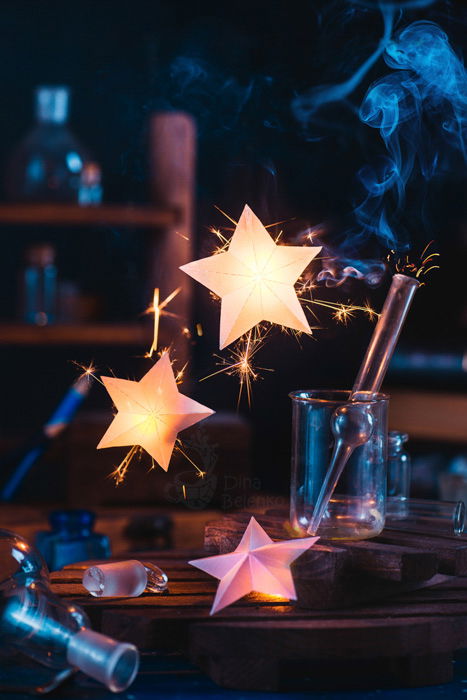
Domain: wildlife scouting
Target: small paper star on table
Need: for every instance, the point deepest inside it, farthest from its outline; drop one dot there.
(258, 564)
(151, 412)
(255, 279)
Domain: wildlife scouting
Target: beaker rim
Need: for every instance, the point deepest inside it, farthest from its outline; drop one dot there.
(333, 396)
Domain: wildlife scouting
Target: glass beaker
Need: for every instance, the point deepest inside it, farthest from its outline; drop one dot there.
(358, 506)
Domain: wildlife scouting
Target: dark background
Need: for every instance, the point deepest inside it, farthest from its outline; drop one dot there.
(236, 67)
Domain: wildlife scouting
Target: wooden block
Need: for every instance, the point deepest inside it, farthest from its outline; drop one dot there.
(451, 553)
(392, 562)
(334, 574)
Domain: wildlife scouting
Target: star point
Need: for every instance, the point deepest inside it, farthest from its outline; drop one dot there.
(257, 564)
(151, 412)
(255, 280)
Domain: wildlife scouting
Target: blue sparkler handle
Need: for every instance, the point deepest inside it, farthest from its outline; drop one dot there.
(60, 418)
(66, 408)
(20, 472)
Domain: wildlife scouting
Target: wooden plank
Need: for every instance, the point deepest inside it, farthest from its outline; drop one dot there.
(75, 215)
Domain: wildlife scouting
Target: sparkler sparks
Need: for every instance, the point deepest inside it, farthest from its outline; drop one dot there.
(342, 312)
(427, 263)
(87, 371)
(243, 253)
(239, 363)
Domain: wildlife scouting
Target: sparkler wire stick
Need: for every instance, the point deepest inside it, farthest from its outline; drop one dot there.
(352, 424)
(61, 417)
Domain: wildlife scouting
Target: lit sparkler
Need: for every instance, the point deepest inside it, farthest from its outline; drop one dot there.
(158, 309)
(120, 472)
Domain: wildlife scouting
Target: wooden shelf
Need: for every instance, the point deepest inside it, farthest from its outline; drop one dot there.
(95, 334)
(74, 215)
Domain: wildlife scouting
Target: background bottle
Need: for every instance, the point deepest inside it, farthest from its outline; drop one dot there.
(47, 165)
(39, 285)
(399, 474)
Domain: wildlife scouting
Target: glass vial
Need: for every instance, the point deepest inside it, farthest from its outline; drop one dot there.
(126, 579)
(442, 518)
(47, 165)
(398, 474)
(357, 508)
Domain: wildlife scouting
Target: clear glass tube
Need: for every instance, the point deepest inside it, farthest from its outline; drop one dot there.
(369, 380)
(386, 334)
(445, 518)
(357, 508)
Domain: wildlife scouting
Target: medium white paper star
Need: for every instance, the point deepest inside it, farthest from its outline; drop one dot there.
(255, 279)
(151, 412)
(258, 564)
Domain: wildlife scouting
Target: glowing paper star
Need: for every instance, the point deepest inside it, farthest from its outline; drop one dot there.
(255, 279)
(258, 564)
(150, 412)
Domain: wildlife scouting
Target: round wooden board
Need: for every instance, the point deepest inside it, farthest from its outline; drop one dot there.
(264, 644)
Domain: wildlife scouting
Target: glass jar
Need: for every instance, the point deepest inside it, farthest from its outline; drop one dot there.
(358, 506)
(398, 474)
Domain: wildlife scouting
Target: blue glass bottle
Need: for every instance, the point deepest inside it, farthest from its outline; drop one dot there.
(71, 539)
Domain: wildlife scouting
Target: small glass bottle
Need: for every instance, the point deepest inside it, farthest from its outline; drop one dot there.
(44, 639)
(398, 487)
(90, 188)
(39, 285)
(124, 579)
(47, 165)
(71, 539)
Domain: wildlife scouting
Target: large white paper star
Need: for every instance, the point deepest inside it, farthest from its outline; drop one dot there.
(258, 564)
(151, 412)
(255, 279)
